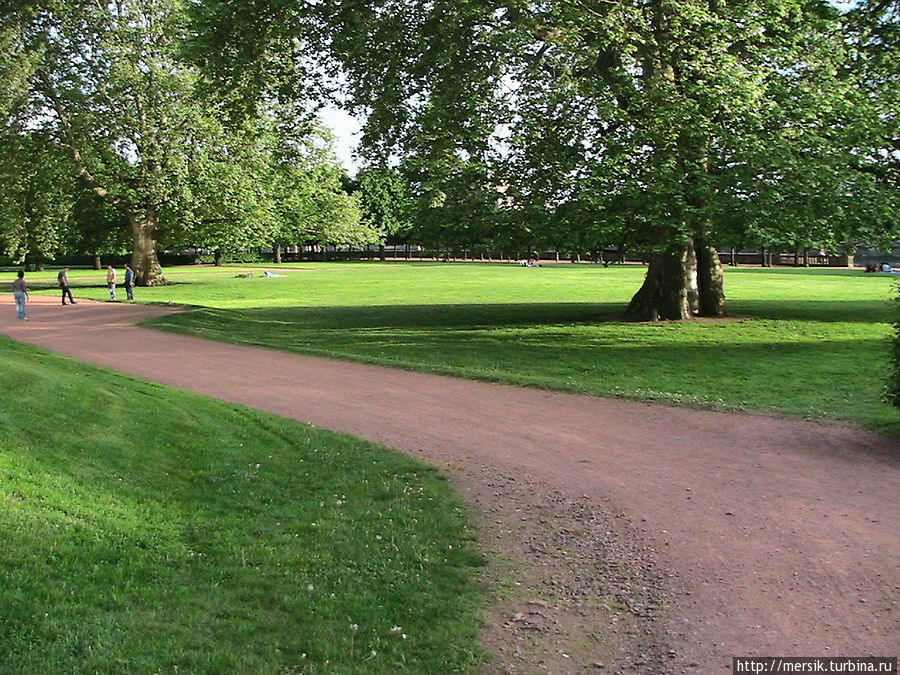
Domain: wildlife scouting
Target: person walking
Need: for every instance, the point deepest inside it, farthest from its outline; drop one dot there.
(111, 281)
(20, 293)
(63, 278)
(129, 283)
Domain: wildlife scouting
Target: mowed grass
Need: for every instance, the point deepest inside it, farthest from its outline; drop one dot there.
(808, 342)
(150, 530)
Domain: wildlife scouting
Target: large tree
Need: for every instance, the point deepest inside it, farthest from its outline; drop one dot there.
(679, 124)
(385, 200)
(37, 200)
(106, 83)
(874, 30)
(108, 87)
(117, 87)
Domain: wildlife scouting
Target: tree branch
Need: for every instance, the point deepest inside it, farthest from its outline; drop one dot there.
(49, 91)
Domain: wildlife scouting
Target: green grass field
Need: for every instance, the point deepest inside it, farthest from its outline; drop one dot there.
(149, 530)
(809, 342)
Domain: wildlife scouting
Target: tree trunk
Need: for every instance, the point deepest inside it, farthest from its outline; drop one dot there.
(690, 278)
(35, 261)
(710, 281)
(276, 251)
(664, 295)
(97, 264)
(144, 260)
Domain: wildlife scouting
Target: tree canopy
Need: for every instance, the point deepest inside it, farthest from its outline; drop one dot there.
(111, 93)
(674, 126)
(677, 126)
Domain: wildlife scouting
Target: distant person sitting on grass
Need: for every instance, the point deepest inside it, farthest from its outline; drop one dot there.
(63, 279)
(886, 268)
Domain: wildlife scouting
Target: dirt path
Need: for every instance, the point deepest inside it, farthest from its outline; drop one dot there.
(631, 537)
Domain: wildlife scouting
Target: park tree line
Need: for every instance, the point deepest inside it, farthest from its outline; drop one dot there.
(112, 141)
(672, 127)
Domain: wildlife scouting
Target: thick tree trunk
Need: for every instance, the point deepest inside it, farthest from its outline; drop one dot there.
(35, 261)
(144, 260)
(276, 250)
(710, 281)
(664, 295)
(97, 264)
(218, 257)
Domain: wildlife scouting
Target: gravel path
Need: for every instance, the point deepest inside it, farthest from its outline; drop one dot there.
(628, 537)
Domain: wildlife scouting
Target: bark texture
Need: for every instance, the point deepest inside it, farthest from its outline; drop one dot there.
(144, 260)
(710, 282)
(664, 293)
(683, 282)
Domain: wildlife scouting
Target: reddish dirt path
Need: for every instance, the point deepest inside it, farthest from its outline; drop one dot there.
(724, 534)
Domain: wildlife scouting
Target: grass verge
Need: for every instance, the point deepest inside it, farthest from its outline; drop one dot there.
(148, 530)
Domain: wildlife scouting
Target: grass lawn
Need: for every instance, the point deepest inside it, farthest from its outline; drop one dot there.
(810, 342)
(150, 530)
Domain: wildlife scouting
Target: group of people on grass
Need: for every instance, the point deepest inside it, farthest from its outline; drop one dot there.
(879, 267)
(20, 289)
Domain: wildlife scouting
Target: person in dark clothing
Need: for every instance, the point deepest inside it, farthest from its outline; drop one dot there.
(63, 278)
(129, 282)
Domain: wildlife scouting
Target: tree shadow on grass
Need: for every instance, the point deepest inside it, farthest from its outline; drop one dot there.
(448, 317)
(858, 311)
(584, 348)
(498, 316)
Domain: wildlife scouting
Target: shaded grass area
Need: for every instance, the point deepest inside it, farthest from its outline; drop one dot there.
(811, 342)
(148, 530)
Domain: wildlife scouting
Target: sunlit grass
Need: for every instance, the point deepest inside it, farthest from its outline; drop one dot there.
(149, 530)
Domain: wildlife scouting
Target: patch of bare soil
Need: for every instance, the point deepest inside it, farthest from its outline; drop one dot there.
(570, 590)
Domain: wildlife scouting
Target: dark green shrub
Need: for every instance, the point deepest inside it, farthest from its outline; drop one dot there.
(893, 388)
